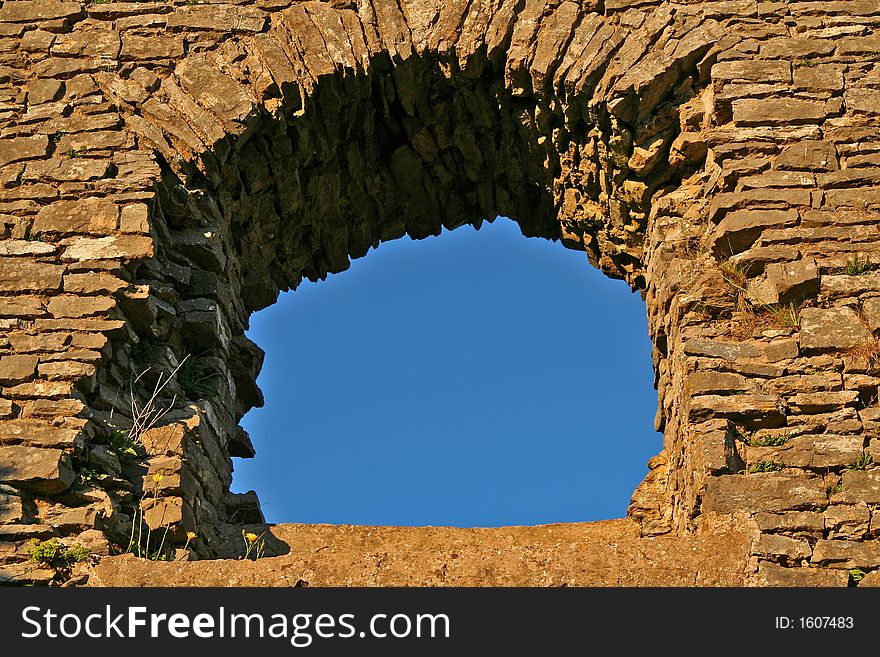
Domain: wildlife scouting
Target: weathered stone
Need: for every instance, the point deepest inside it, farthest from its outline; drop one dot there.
(15, 369)
(825, 78)
(151, 47)
(105, 248)
(718, 349)
(32, 11)
(835, 286)
(89, 215)
(781, 547)
(871, 313)
(88, 43)
(75, 306)
(832, 329)
(861, 486)
(758, 411)
(847, 521)
(25, 248)
(93, 283)
(752, 70)
(740, 230)
(37, 389)
(847, 554)
(781, 349)
(220, 18)
(774, 575)
(20, 149)
(68, 370)
(823, 402)
(35, 469)
(810, 155)
(863, 101)
(69, 169)
(772, 492)
(777, 111)
(26, 276)
(48, 409)
(794, 281)
(791, 521)
(715, 382)
(813, 451)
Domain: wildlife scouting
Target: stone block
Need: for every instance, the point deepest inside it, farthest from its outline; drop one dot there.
(36, 470)
(831, 329)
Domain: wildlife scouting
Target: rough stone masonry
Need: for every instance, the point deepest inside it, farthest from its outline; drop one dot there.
(167, 167)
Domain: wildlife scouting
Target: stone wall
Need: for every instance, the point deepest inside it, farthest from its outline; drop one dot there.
(167, 168)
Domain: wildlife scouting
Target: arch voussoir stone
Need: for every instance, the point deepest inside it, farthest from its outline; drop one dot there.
(167, 169)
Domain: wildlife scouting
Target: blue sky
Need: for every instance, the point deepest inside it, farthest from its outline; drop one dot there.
(478, 378)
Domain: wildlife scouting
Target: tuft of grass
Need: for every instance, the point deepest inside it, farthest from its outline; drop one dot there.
(831, 490)
(786, 316)
(734, 274)
(763, 466)
(56, 555)
(862, 463)
(868, 351)
(195, 380)
(768, 441)
(856, 266)
(72, 153)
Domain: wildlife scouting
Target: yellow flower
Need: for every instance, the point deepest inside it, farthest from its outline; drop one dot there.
(158, 477)
(251, 537)
(190, 536)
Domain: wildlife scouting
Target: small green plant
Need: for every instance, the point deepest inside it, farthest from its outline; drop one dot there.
(194, 379)
(832, 490)
(856, 266)
(124, 446)
(768, 440)
(55, 137)
(856, 575)
(763, 466)
(808, 63)
(88, 476)
(254, 545)
(72, 153)
(100, 2)
(55, 554)
(862, 463)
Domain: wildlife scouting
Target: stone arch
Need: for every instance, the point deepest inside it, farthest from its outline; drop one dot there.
(207, 156)
(369, 145)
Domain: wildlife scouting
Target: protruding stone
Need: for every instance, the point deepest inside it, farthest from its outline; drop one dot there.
(794, 281)
(35, 469)
(15, 369)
